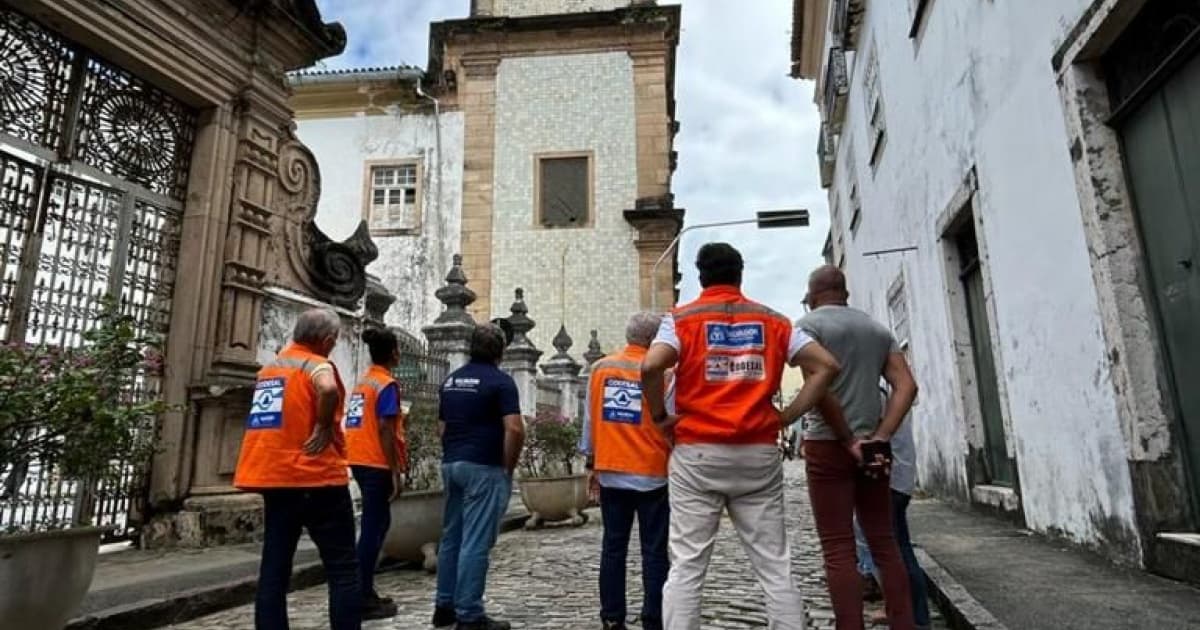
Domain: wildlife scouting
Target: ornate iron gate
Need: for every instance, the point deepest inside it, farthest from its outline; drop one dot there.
(93, 172)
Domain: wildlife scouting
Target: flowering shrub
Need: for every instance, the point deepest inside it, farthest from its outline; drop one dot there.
(551, 444)
(76, 410)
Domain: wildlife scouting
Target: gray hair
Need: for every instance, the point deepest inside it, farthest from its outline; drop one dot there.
(642, 328)
(316, 325)
(487, 343)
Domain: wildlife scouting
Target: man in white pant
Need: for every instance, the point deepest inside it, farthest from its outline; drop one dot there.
(730, 353)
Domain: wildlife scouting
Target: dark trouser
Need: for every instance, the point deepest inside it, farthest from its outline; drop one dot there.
(916, 577)
(653, 511)
(376, 486)
(837, 490)
(328, 515)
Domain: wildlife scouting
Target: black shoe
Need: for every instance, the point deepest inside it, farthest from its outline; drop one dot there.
(444, 617)
(378, 609)
(615, 625)
(485, 623)
(375, 598)
(871, 591)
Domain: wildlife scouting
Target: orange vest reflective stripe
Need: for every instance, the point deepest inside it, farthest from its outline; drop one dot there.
(283, 412)
(732, 355)
(363, 447)
(624, 436)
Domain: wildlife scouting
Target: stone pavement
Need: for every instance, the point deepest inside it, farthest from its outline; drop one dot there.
(548, 579)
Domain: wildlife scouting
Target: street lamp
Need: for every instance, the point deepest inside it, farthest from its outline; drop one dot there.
(764, 219)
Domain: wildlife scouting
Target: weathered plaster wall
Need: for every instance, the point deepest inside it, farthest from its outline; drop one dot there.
(411, 266)
(553, 7)
(967, 94)
(582, 102)
(280, 312)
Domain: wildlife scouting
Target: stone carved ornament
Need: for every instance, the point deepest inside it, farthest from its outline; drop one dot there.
(332, 272)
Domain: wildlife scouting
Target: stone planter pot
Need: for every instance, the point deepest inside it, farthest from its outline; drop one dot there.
(45, 576)
(416, 528)
(554, 499)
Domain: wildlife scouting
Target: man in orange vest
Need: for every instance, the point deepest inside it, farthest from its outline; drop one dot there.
(627, 470)
(730, 354)
(293, 453)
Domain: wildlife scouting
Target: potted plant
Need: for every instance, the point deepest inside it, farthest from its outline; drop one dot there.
(417, 513)
(553, 487)
(71, 414)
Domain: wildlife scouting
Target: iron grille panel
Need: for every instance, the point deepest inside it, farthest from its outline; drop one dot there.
(78, 242)
(134, 131)
(151, 259)
(19, 186)
(35, 71)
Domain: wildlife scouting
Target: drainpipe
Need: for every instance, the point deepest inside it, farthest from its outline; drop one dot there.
(437, 143)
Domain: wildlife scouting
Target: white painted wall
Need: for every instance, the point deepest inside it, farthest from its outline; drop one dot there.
(978, 89)
(411, 266)
(516, 8)
(544, 104)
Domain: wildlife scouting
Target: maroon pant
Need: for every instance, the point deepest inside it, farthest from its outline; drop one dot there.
(836, 490)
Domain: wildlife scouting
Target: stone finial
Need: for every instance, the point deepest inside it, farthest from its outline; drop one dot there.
(594, 353)
(455, 295)
(562, 341)
(377, 301)
(520, 320)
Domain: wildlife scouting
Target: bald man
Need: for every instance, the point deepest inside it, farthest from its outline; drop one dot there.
(838, 485)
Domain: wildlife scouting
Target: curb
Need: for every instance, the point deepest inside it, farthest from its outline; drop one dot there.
(961, 610)
(205, 600)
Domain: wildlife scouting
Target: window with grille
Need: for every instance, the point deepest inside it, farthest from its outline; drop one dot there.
(876, 120)
(898, 311)
(564, 191)
(394, 197)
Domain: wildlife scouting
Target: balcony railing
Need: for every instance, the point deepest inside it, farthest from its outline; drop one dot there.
(837, 87)
(826, 155)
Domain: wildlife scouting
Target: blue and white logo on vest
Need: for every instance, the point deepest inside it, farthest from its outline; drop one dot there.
(622, 401)
(744, 336)
(354, 411)
(266, 406)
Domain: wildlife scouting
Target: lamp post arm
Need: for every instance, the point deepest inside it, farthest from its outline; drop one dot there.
(673, 245)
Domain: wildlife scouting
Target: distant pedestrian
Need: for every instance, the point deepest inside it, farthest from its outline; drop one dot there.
(293, 453)
(838, 484)
(627, 472)
(731, 353)
(903, 483)
(376, 452)
(482, 434)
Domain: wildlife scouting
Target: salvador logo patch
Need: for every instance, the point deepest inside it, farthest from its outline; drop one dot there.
(622, 401)
(737, 337)
(735, 367)
(354, 411)
(266, 406)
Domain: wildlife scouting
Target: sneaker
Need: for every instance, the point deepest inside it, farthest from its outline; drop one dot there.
(378, 609)
(444, 617)
(484, 623)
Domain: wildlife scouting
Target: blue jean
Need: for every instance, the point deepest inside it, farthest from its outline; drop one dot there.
(476, 498)
(376, 486)
(653, 511)
(328, 515)
(916, 576)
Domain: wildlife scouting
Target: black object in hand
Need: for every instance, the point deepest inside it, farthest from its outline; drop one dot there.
(877, 459)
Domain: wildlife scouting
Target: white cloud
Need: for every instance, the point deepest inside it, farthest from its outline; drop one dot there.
(748, 138)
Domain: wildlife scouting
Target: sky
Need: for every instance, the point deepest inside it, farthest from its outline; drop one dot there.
(748, 132)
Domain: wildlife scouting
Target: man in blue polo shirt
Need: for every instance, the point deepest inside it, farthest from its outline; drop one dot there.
(482, 434)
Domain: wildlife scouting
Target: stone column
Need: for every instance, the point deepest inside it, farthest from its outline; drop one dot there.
(563, 371)
(657, 221)
(521, 357)
(450, 333)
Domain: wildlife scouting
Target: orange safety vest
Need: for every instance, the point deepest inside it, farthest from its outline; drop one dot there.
(283, 413)
(624, 435)
(363, 447)
(732, 355)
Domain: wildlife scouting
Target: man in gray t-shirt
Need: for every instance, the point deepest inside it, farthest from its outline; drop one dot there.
(837, 486)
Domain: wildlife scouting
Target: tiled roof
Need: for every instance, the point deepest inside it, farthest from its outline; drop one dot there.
(317, 72)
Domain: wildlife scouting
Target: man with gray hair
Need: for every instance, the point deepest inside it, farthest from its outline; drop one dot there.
(627, 472)
(294, 454)
(482, 434)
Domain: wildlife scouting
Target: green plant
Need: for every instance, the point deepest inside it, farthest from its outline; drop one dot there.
(424, 447)
(77, 411)
(551, 444)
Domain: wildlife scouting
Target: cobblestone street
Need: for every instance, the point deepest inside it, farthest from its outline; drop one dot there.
(547, 579)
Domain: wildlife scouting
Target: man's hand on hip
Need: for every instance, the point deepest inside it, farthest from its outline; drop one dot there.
(321, 438)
